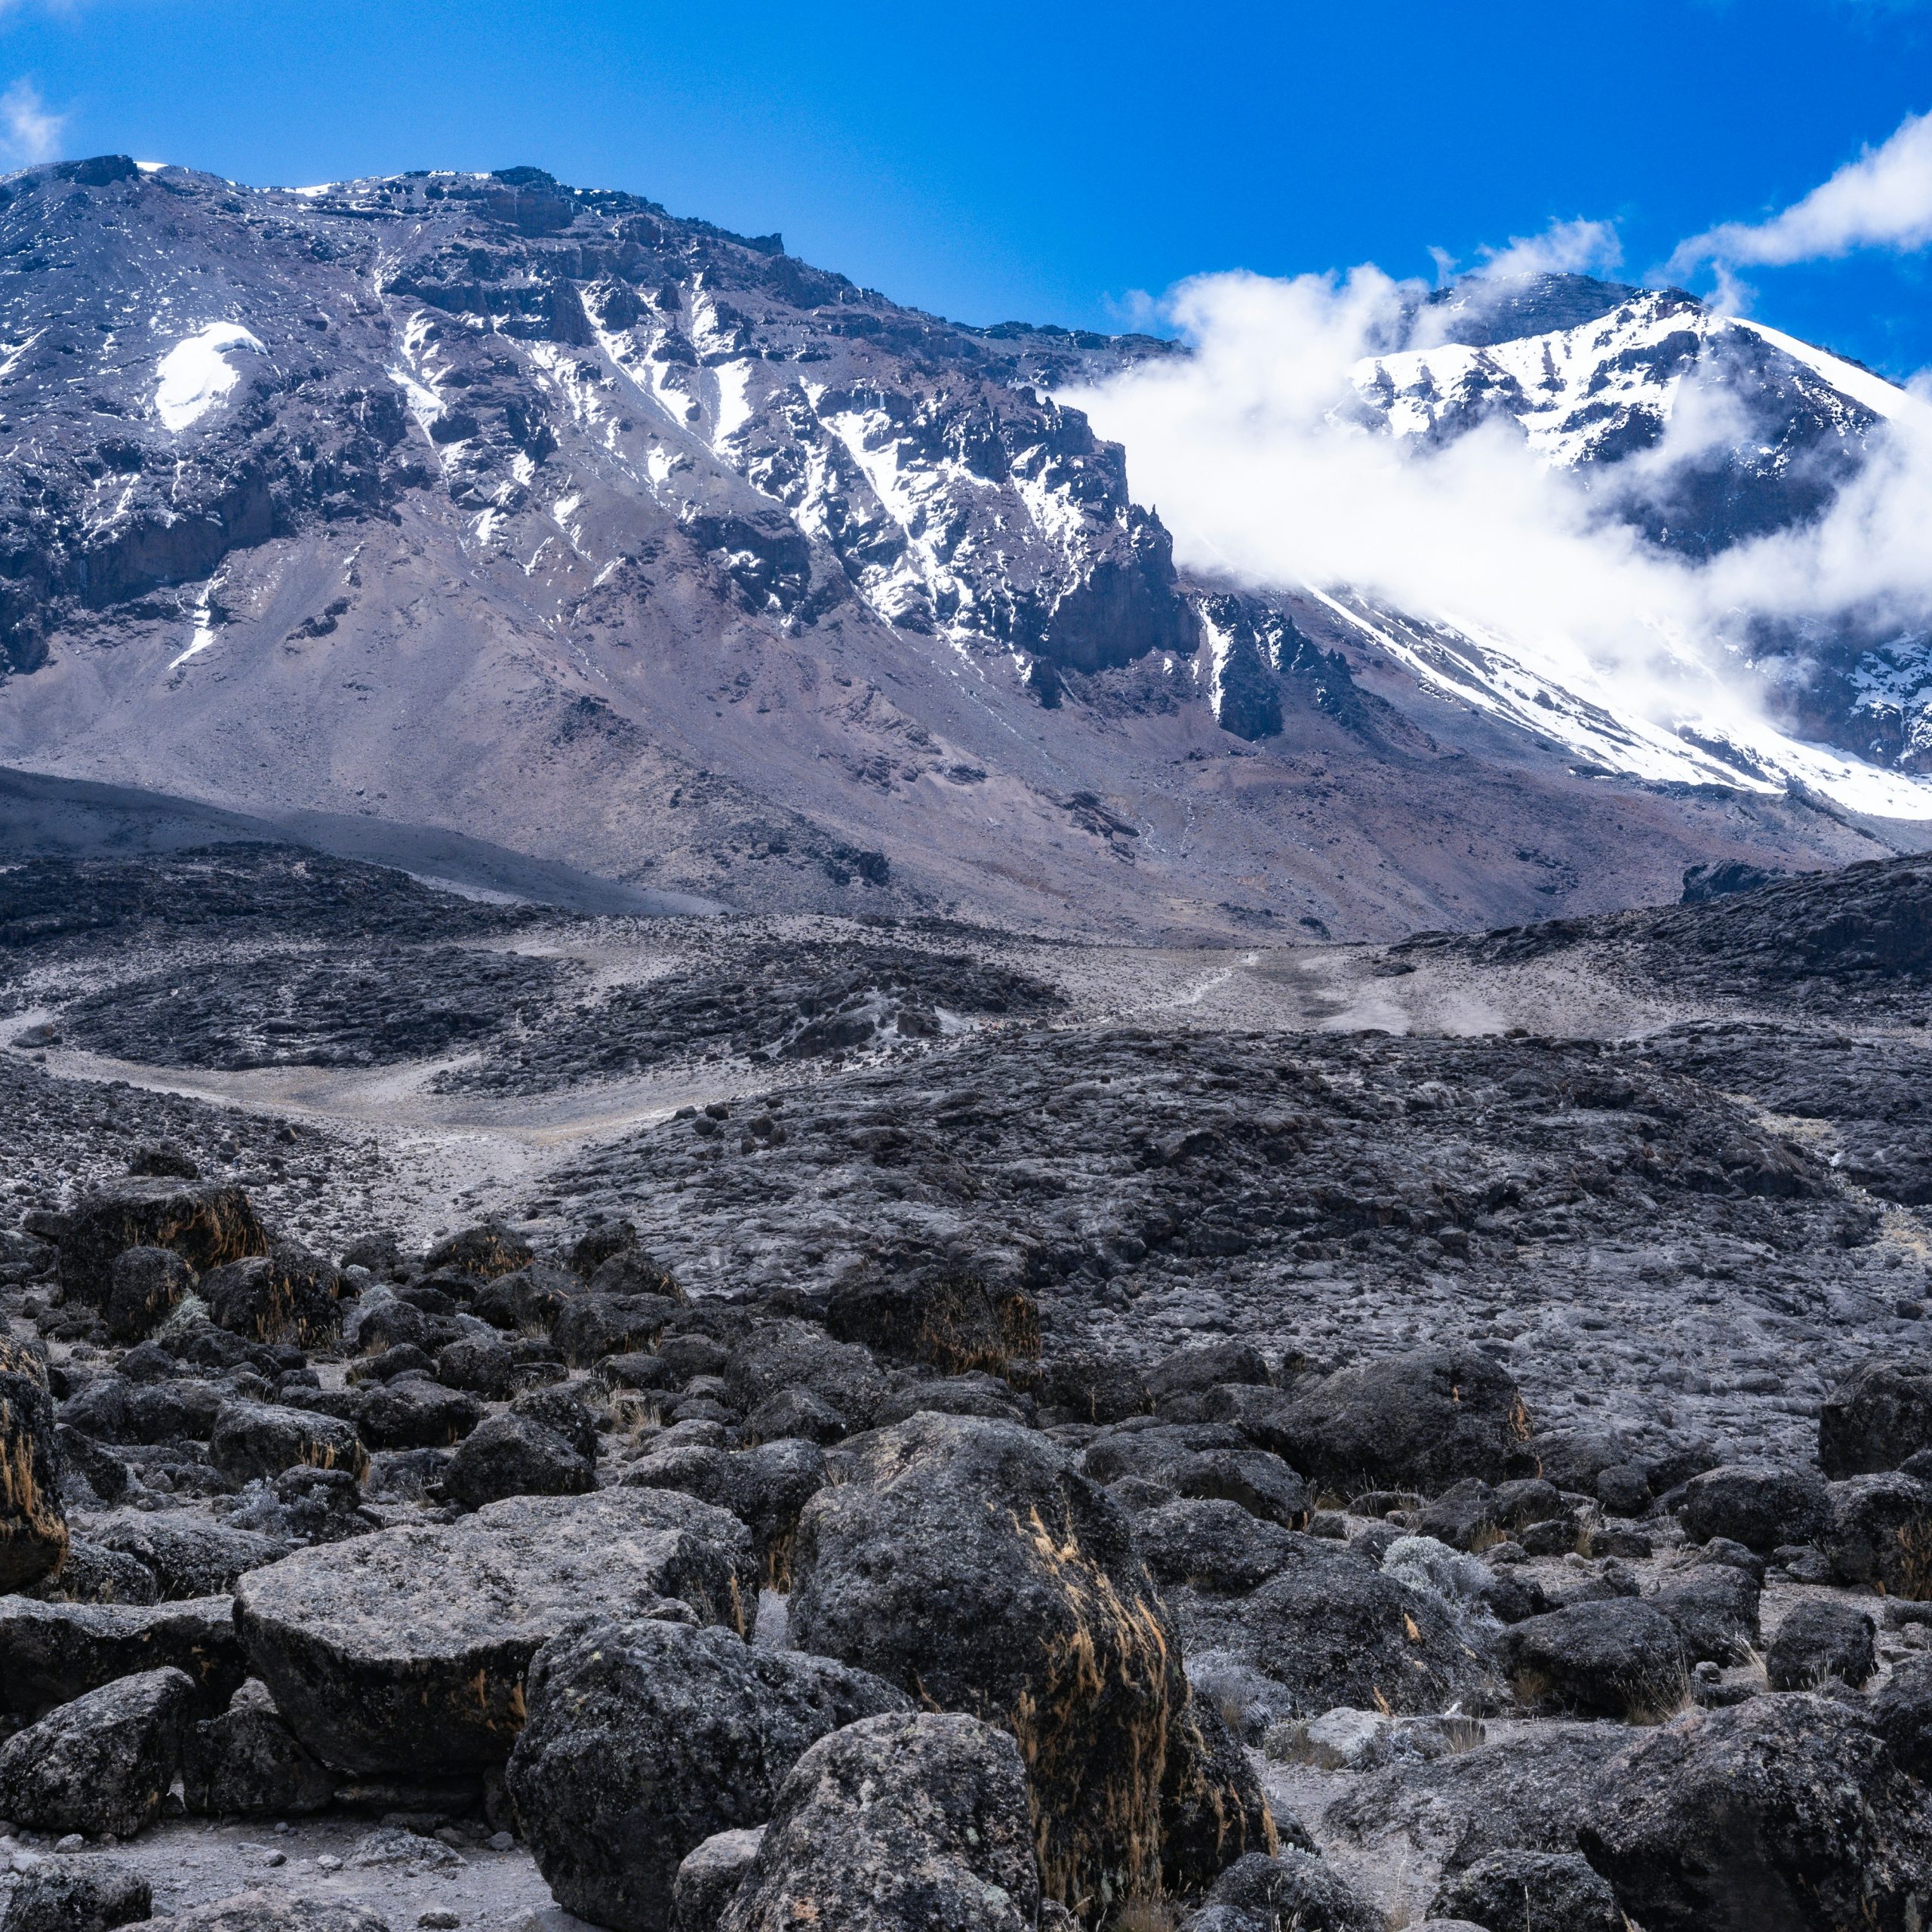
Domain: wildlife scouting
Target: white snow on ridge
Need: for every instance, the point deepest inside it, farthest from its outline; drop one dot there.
(195, 374)
(1883, 398)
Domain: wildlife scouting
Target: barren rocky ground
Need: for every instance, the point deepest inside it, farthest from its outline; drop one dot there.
(513, 1414)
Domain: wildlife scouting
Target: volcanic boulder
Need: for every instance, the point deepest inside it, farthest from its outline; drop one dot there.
(646, 1736)
(287, 1295)
(248, 1763)
(1880, 1532)
(403, 1653)
(969, 1562)
(33, 1527)
(206, 1223)
(1295, 1892)
(765, 1488)
(948, 1318)
(1822, 1637)
(77, 1895)
(1761, 1505)
(487, 1251)
(252, 1439)
(51, 1653)
(514, 1455)
(1537, 1891)
(1779, 1814)
(146, 1285)
(1616, 1658)
(897, 1823)
(102, 1763)
(1874, 1419)
(1419, 1422)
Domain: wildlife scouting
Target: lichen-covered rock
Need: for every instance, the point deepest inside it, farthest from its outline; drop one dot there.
(709, 1876)
(268, 1909)
(766, 1488)
(1779, 1814)
(644, 1737)
(145, 1286)
(77, 1895)
(514, 1455)
(1822, 1638)
(248, 1763)
(1761, 1505)
(486, 1251)
(50, 1653)
(33, 1526)
(102, 1763)
(1530, 1891)
(1617, 1658)
(1874, 1419)
(897, 1823)
(1420, 1421)
(1293, 1892)
(968, 1561)
(403, 1653)
(947, 1318)
(1901, 1712)
(1879, 1531)
(1715, 1611)
(207, 1224)
(286, 1295)
(252, 1440)
(187, 1554)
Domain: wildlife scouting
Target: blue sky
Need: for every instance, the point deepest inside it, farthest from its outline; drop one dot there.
(1049, 161)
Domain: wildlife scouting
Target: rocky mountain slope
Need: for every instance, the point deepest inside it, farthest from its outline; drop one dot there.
(534, 513)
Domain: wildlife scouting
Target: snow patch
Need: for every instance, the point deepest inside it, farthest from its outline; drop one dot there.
(195, 374)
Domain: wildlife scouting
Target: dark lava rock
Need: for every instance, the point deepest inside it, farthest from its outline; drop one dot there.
(564, 1411)
(313, 1506)
(1530, 1891)
(206, 1223)
(1326, 1627)
(897, 1823)
(145, 1286)
(77, 1895)
(91, 1574)
(968, 1561)
(645, 1737)
(485, 1251)
(796, 1356)
(496, 1370)
(260, 1439)
(593, 1326)
(766, 1488)
(248, 1763)
(403, 1653)
(599, 1244)
(414, 1413)
(1212, 1545)
(1419, 1422)
(51, 1653)
(1619, 1658)
(513, 1455)
(1880, 1533)
(1763, 1505)
(1715, 1612)
(187, 1554)
(116, 1410)
(287, 1295)
(528, 1298)
(1295, 1892)
(102, 1763)
(1822, 1637)
(1901, 1712)
(1777, 1813)
(267, 1910)
(1210, 1365)
(948, 1318)
(709, 1876)
(1471, 1515)
(1529, 1792)
(33, 1527)
(1874, 1419)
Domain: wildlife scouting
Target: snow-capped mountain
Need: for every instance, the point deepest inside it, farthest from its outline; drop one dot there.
(538, 514)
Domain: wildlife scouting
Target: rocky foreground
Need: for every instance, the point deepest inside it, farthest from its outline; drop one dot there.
(860, 1610)
(978, 1463)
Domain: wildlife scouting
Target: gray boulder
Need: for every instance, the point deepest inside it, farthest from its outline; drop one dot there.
(897, 1823)
(1874, 1419)
(77, 1895)
(1530, 1891)
(1616, 1658)
(645, 1737)
(514, 1455)
(1822, 1637)
(248, 1763)
(1761, 1504)
(102, 1763)
(403, 1653)
(52, 1652)
(1779, 1814)
(1879, 1532)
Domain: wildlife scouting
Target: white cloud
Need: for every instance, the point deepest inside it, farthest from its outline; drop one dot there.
(32, 130)
(1882, 200)
(1567, 247)
(1253, 450)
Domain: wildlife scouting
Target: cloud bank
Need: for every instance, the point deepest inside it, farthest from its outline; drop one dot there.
(1256, 452)
(30, 130)
(1882, 200)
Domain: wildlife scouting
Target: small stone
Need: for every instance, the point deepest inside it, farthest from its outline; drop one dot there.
(274, 1858)
(73, 1841)
(328, 1862)
(438, 1918)
(500, 1841)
